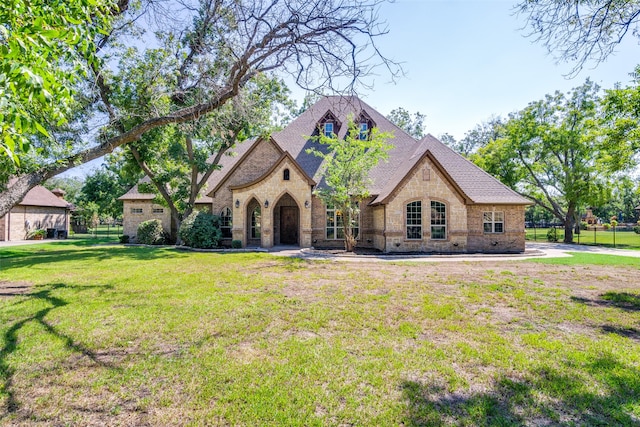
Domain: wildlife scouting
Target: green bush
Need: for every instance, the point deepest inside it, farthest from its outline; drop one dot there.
(583, 225)
(606, 226)
(237, 244)
(636, 229)
(124, 238)
(552, 235)
(151, 233)
(201, 230)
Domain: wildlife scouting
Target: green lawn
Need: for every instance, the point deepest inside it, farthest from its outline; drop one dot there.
(113, 335)
(623, 239)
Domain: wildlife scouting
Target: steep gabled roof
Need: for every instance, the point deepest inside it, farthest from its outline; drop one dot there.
(285, 156)
(474, 184)
(40, 196)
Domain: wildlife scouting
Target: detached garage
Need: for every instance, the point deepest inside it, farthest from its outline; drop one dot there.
(40, 209)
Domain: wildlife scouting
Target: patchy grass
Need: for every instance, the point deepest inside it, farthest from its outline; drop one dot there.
(151, 336)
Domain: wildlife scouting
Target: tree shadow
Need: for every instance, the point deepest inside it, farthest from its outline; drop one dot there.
(17, 258)
(623, 300)
(11, 339)
(548, 395)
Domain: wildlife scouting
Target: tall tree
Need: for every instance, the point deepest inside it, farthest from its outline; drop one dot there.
(180, 159)
(346, 172)
(413, 124)
(578, 30)
(102, 188)
(201, 54)
(555, 153)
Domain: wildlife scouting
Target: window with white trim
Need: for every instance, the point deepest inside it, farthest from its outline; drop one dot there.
(158, 210)
(438, 221)
(328, 130)
(226, 222)
(136, 211)
(493, 222)
(414, 220)
(335, 224)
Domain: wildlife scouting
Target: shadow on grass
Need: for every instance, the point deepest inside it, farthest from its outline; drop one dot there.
(549, 395)
(11, 339)
(34, 255)
(623, 300)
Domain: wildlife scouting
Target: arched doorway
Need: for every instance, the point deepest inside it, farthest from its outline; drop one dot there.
(254, 223)
(286, 217)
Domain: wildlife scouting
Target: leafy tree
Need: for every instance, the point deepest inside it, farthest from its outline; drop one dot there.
(44, 47)
(200, 54)
(179, 160)
(103, 188)
(347, 164)
(625, 197)
(579, 30)
(413, 124)
(555, 153)
(479, 136)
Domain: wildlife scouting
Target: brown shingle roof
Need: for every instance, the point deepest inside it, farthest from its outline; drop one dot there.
(40, 196)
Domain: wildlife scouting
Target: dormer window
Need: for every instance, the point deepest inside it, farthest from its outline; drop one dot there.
(328, 129)
(364, 131)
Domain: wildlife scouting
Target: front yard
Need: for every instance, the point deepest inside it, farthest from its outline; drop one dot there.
(112, 335)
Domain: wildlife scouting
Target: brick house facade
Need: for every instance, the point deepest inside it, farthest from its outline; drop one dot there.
(425, 198)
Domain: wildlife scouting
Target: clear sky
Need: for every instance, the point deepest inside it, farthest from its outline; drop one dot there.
(468, 60)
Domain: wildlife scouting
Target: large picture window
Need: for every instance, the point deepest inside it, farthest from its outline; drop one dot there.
(493, 222)
(414, 220)
(255, 223)
(335, 224)
(438, 221)
(226, 222)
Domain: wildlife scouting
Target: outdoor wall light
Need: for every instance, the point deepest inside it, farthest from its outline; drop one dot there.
(266, 203)
(237, 203)
(306, 204)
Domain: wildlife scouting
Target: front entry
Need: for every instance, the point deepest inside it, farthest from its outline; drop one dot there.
(289, 225)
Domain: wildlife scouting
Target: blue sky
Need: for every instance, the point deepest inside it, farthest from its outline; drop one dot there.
(466, 61)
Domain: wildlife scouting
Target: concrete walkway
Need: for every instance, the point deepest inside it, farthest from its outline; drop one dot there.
(533, 250)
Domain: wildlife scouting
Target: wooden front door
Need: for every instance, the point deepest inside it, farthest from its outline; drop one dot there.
(289, 225)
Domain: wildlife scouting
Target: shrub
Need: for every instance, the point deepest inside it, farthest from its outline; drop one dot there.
(636, 229)
(201, 230)
(583, 225)
(237, 244)
(124, 238)
(552, 235)
(606, 226)
(151, 233)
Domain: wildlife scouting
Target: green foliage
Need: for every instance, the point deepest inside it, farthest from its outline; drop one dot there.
(606, 226)
(583, 225)
(151, 233)
(201, 230)
(413, 124)
(636, 229)
(44, 48)
(124, 238)
(552, 235)
(236, 244)
(556, 152)
(102, 189)
(347, 164)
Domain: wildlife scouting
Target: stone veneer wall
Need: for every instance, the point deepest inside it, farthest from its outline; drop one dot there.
(24, 219)
(511, 241)
(426, 184)
(257, 163)
(272, 188)
(130, 221)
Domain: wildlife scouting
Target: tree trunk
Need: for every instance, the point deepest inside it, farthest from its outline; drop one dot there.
(569, 223)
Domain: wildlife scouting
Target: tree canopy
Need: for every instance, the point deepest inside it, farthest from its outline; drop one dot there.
(199, 55)
(413, 124)
(556, 153)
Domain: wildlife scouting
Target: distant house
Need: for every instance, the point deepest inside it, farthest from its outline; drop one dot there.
(426, 198)
(40, 209)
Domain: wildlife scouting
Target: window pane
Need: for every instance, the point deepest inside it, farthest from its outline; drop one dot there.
(498, 216)
(498, 227)
(438, 233)
(487, 227)
(414, 232)
(487, 216)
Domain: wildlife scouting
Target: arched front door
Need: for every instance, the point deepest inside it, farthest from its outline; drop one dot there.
(288, 221)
